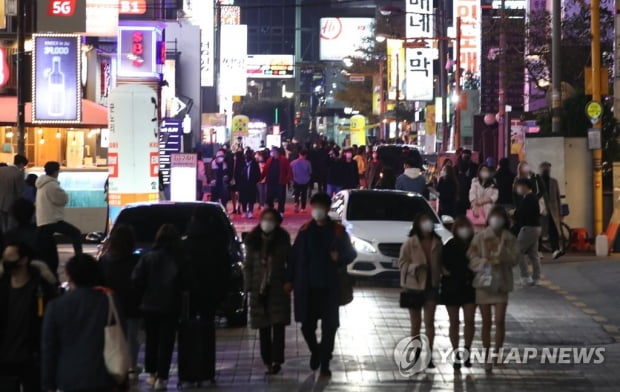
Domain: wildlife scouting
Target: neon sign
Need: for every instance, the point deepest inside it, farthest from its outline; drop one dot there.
(4, 68)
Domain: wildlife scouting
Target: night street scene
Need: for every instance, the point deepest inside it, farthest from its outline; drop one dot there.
(309, 195)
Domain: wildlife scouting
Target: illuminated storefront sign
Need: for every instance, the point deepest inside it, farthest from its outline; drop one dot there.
(183, 172)
(101, 18)
(395, 69)
(61, 16)
(419, 66)
(230, 14)
(132, 7)
(233, 56)
(56, 91)
(343, 37)
(469, 12)
(271, 66)
(139, 51)
(4, 68)
(170, 139)
(201, 13)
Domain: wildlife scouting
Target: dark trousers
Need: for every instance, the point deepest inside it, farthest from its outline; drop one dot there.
(28, 375)
(160, 332)
(554, 236)
(318, 308)
(276, 192)
(301, 192)
(62, 227)
(272, 344)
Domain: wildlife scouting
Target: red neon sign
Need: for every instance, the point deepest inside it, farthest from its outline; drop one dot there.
(4, 68)
(61, 8)
(132, 7)
(137, 48)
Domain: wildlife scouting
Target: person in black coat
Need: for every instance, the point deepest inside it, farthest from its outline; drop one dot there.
(117, 265)
(456, 286)
(335, 173)
(26, 287)
(504, 180)
(73, 338)
(466, 171)
(322, 251)
(247, 180)
(448, 188)
(158, 278)
(350, 172)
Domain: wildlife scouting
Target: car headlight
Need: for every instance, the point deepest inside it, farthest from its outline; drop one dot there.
(361, 245)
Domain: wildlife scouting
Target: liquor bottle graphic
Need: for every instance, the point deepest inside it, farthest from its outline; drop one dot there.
(56, 92)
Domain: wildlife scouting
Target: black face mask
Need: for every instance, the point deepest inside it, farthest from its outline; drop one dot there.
(546, 173)
(9, 266)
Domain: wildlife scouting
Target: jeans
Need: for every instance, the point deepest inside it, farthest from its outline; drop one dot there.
(160, 332)
(132, 332)
(262, 194)
(272, 344)
(276, 192)
(6, 221)
(301, 192)
(317, 309)
(67, 229)
(527, 240)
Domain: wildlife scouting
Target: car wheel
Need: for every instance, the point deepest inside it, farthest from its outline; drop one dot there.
(237, 320)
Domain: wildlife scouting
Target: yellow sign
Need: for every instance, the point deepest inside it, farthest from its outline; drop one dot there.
(358, 130)
(594, 111)
(431, 125)
(396, 63)
(2, 16)
(240, 125)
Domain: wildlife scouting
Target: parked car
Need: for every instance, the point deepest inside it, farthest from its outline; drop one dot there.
(378, 222)
(146, 218)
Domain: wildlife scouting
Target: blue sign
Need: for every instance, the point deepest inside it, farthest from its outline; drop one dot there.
(170, 139)
(57, 93)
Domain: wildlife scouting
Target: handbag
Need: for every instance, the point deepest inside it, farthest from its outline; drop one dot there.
(411, 299)
(542, 206)
(115, 350)
(477, 217)
(346, 288)
(483, 279)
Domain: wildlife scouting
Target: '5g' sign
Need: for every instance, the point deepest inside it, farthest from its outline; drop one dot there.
(61, 8)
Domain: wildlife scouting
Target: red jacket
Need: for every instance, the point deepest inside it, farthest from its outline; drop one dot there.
(285, 170)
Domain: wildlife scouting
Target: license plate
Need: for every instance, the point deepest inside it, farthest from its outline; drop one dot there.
(394, 263)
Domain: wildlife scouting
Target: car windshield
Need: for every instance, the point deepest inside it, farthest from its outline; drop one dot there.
(146, 220)
(386, 206)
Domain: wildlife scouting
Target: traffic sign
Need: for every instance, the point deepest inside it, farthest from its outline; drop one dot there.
(594, 111)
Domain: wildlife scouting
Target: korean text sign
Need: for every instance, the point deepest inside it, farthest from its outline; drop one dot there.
(419, 68)
(57, 93)
(469, 12)
(137, 51)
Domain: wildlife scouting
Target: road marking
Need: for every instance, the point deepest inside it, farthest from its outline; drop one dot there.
(610, 328)
(599, 319)
(589, 311)
(570, 297)
(580, 304)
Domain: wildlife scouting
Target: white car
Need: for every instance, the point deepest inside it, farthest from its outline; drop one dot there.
(378, 222)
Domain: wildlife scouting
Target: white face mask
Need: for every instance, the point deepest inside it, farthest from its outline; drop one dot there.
(496, 222)
(443, 173)
(427, 227)
(526, 170)
(485, 175)
(267, 226)
(220, 159)
(318, 214)
(520, 191)
(464, 233)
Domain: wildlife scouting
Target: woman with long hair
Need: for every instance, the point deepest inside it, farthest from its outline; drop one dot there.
(456, 285)
(493, 253)
(448, 188)
(268, 246)
(483, 195)
(420, 275)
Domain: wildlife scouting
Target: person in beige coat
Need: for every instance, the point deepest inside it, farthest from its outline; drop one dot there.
(420, 273)
(483, 193)
(494, 248)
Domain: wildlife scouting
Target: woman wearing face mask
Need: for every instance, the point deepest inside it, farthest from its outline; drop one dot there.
(494, 251)
(268, 247)
(483, 195)
(524, 171)
(448, 188)
(420, 274)
(456, 285)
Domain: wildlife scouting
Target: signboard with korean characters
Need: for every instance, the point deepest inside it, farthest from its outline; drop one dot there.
(279, 66)
(419, 67)
(170, 142)
(240, 125)
(183, 169)
(396, 66)
(56, 90)
(233, 57)
(140, 49)
(201, 13)
(344, 37)
(61, 16)
(133, 156)
(470, 13)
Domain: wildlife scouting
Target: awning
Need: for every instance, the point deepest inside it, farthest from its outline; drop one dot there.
(93, 114)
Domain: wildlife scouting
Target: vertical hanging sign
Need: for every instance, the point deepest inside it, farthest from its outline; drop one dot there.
(56, 91)
(420, 25)
(469, 12)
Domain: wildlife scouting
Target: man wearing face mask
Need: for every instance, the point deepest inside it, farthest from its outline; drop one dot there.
(322, 251)
(527, 228)
(550, 192)
(25, 289)
(277, 172)
(219, 178)
(373, 171)
(350, 172)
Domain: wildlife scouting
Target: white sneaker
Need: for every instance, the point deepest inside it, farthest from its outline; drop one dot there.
(530, 280)
(526, 281)
(161, 385)
(537, 282)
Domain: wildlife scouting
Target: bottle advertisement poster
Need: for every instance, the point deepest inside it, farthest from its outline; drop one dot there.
(57, 95)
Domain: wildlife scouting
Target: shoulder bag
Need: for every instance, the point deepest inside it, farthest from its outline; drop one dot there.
(115, 351)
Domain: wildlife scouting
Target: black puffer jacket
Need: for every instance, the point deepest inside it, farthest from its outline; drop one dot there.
(157, 277)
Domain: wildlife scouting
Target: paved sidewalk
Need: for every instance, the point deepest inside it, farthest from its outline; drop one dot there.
(373, 324)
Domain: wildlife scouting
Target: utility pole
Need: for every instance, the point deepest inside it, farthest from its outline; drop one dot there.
(21, 78)
(597, 155)
(298, 62)
(457, 86)
(382, 100)
(556, 77)
(501, 126)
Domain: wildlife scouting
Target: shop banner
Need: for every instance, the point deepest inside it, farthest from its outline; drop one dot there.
(61, 16)
(170, 139)
(233, 57)
(470, 13)
(56, 91)
(201, 13)
(101, 18)
(137, 51)
(419, 74)
(2, 15)
(395, 69)
(344, 37)
(183, 173)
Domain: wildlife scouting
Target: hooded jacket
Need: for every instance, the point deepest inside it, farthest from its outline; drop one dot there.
(411, 180)
(51, 201)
